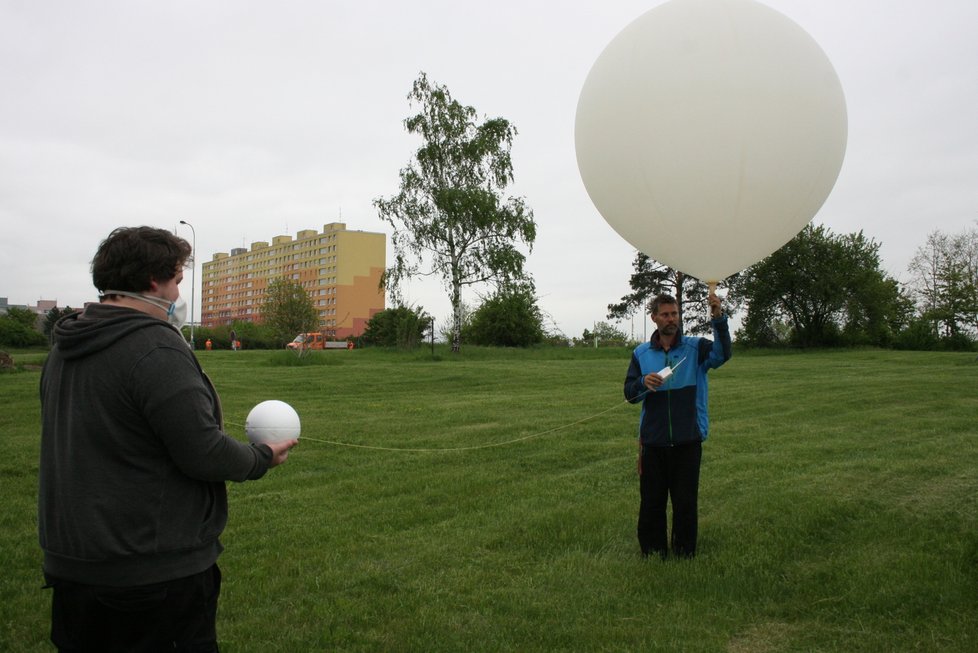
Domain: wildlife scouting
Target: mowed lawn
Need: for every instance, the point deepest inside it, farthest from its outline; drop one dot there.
(495, 508)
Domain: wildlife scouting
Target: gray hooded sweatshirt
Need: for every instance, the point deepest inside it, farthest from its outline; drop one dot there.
(133, 456)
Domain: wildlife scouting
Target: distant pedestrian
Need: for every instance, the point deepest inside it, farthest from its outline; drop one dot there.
(234, 340)
(673, 424)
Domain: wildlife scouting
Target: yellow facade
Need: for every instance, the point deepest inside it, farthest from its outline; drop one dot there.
(340, 269)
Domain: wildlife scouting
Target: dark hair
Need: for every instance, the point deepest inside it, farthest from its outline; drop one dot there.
(133, 257)
(659, 301)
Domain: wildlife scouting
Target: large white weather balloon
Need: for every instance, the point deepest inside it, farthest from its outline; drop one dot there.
(709, 133)
(272, 421)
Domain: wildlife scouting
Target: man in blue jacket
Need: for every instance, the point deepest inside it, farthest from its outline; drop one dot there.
(668, 375)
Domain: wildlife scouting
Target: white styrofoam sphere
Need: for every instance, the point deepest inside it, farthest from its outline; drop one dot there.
(709, 133)
(272, 421)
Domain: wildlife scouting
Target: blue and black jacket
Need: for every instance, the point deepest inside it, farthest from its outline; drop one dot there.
(676, 412)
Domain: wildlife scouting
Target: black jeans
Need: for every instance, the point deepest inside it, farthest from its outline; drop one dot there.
(176, 615)
(669, 473)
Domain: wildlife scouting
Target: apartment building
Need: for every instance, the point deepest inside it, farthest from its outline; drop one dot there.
(340, 269)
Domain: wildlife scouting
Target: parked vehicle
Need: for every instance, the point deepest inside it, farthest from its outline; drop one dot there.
(317, 340)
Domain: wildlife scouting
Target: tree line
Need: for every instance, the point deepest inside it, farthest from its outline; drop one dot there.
(827, 290)
(451, 220)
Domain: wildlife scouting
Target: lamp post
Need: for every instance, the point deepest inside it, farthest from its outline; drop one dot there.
(193, 280)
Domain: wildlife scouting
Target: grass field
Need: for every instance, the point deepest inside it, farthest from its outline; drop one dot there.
(838, 510)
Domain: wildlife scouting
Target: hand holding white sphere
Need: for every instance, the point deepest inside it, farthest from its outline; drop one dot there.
(272, 421)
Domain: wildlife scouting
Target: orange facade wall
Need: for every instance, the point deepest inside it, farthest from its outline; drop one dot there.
(339, 269)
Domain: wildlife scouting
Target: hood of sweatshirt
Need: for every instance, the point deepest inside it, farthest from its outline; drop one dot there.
(98, 327)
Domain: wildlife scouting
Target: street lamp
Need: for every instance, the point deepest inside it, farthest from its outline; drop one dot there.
(193, 281)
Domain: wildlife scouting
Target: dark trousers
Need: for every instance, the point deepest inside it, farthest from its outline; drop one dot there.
(176, 615)
(669, 473)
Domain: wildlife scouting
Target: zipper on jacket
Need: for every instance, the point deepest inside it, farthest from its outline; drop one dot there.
(669, 402)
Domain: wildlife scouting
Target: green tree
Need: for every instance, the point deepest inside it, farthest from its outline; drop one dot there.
(604, 333)
(925, 271)
(651, 278)
(509, 318)
(968, 249)
(288, 310)
(829, 288)
(400, 326)
(450, 218)
(944, 283)
(51, 318)
(18, 328)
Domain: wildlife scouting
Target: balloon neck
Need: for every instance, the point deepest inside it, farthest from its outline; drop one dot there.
(713, 287)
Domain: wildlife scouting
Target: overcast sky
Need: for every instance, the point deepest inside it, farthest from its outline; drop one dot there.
(250, 119)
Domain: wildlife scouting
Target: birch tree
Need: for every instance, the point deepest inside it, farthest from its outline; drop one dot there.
(451, 219)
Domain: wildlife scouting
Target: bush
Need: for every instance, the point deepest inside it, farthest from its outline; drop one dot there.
(507, 319)
(397, 327)
(918, 336)
(252, 336)
(15, 333)
(958, 342)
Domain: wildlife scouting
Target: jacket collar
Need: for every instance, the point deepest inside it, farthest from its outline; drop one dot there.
(656, 340)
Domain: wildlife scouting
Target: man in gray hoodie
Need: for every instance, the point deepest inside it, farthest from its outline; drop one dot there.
(134, 460)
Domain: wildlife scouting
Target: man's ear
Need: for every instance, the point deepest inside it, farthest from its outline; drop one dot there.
(153, 285)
